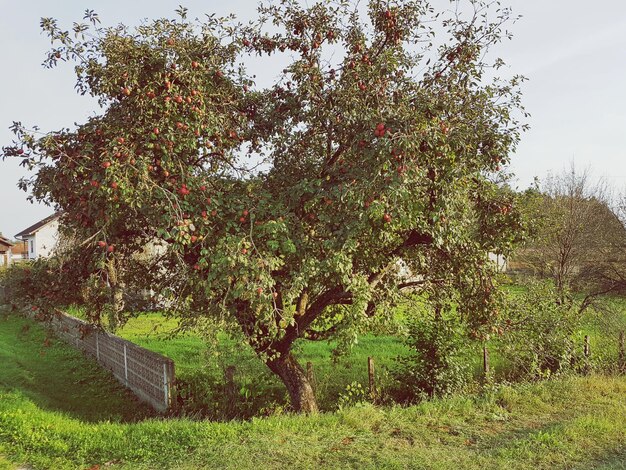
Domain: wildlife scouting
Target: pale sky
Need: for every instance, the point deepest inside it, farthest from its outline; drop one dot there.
(572, 51)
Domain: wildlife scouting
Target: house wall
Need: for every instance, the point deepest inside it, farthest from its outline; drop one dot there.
(46, 239)
(31, 246)
(500, 261)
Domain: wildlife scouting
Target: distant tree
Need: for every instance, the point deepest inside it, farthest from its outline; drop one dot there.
(580, 239)
(280, 205)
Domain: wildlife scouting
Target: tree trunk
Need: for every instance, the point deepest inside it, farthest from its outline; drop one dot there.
(295, 380)
(117, 296)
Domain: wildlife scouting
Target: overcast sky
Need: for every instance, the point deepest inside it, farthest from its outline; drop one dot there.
(572, 51)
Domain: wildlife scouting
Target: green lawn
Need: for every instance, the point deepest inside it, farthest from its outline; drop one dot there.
(56, 377)
(200, 366)
(57, 410)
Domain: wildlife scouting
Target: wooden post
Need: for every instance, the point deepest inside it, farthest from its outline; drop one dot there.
(485, 362)
(371, 377)
(621, 359)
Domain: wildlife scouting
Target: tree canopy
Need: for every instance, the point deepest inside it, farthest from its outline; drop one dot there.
(287, 208)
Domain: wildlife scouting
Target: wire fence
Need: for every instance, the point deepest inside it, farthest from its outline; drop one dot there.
(149, 375)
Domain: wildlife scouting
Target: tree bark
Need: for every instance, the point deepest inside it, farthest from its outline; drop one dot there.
(295, 380)
(117, 295)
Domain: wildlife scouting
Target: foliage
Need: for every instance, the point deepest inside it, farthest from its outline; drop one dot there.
(354, 394)
(69, 277)
(537, 332)
(579, 240)
(45, 284)
(275, 204)
(438, 363)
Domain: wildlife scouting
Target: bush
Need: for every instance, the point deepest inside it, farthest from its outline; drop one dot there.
(538, 332)
(438, 363)
(44, 284)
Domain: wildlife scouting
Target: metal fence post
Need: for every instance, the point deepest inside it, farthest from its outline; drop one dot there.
(97, 347)
(125, 366)
(165, 387)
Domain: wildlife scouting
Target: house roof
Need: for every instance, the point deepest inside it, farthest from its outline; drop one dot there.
(38, 226)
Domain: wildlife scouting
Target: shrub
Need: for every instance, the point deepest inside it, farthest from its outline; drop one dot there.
(438, 363)
(538, 332)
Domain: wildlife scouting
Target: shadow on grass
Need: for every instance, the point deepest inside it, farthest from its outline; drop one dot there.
(57, 377)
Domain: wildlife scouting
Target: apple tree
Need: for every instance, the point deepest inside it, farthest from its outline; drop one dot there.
(289, 208)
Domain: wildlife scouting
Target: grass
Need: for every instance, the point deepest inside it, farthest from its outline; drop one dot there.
(56, 377)
(58, 410)
(570, 423)
(200, 366)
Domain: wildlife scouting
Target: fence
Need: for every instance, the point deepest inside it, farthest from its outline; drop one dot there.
(149, 375)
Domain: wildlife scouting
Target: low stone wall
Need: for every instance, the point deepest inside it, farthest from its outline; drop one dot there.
(148, 374)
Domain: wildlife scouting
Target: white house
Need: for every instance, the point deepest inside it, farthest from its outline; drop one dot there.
(500, 261)
(42, 237)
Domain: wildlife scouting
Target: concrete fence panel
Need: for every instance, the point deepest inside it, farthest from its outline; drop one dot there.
(148, 374)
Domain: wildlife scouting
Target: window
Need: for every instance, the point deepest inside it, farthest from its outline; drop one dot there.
(32, 246)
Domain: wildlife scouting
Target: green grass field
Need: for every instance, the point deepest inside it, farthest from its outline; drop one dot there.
(200, 364)
(58, 410)
(47, 373)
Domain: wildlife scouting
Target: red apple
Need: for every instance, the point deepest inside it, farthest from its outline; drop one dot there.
(102, 244)
(387, 218)
(195, 64)
(111, 248)
(244, 251)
